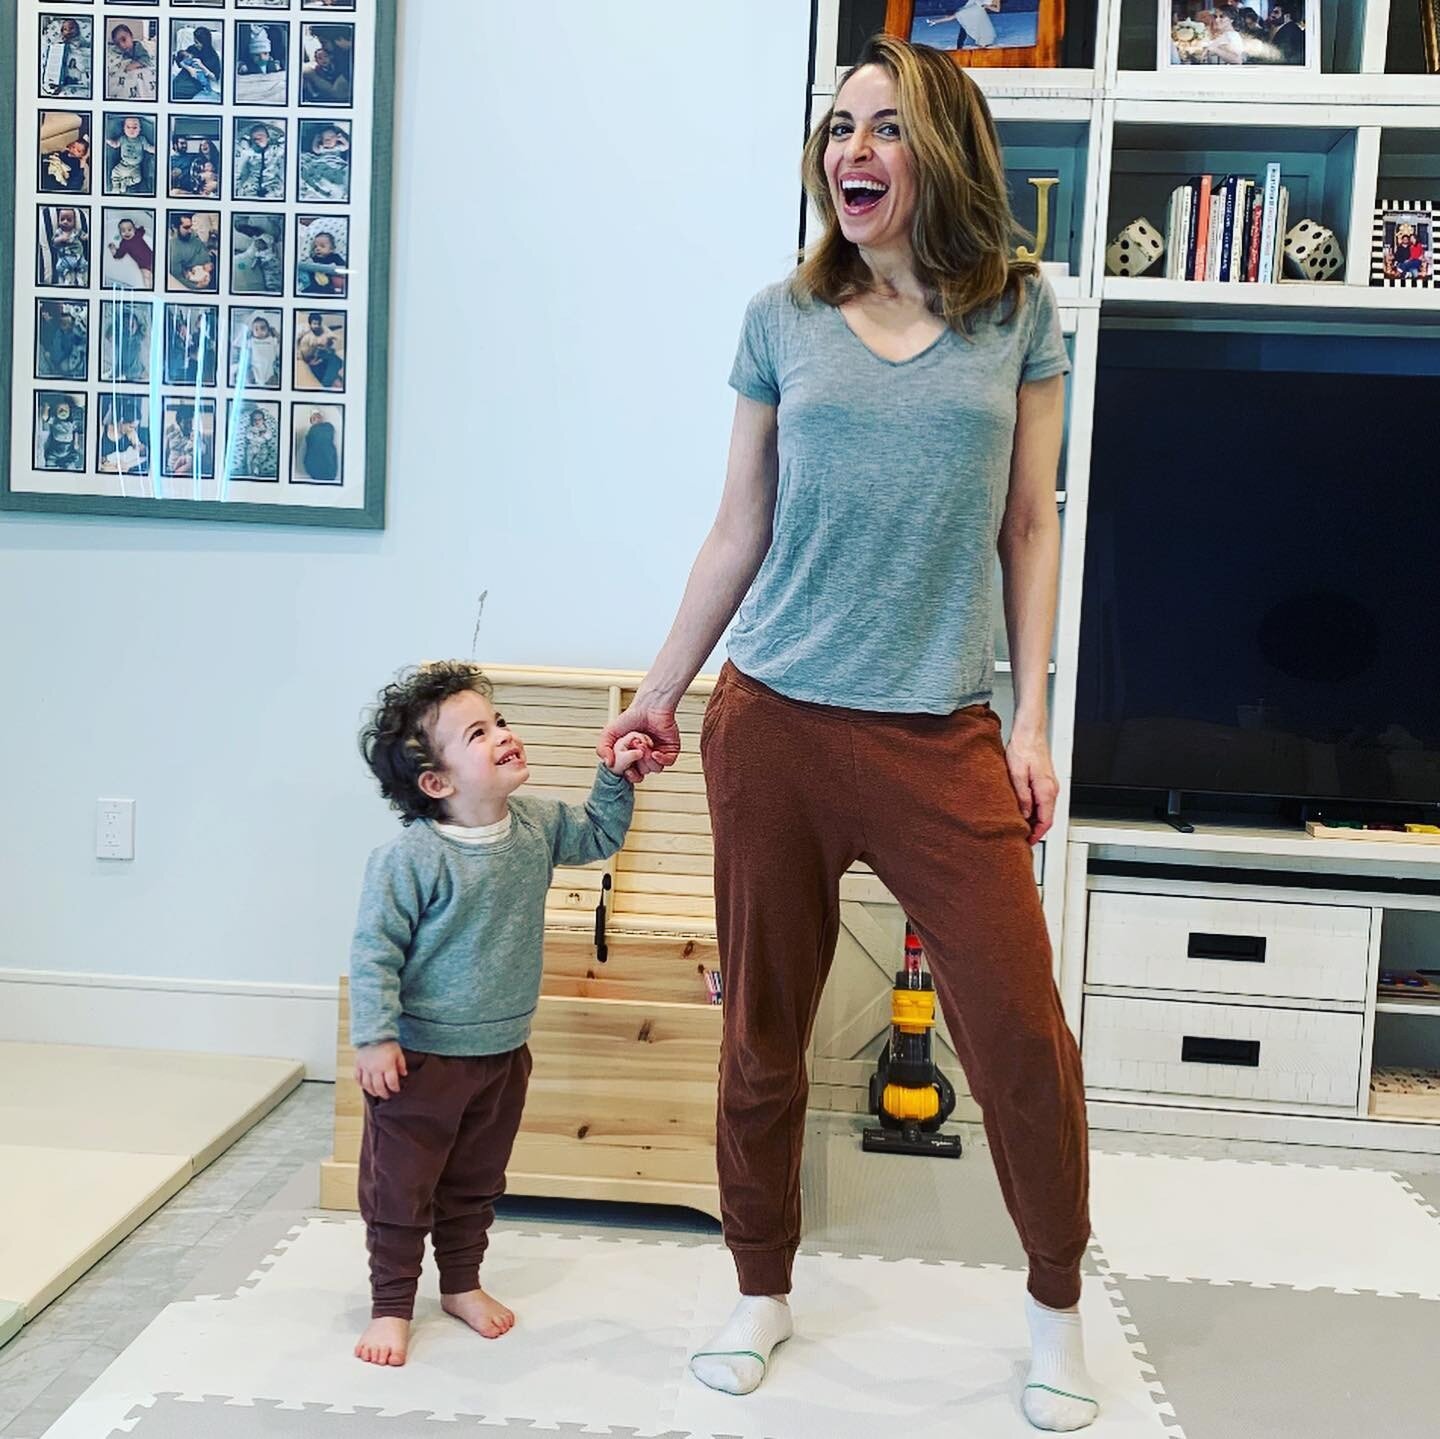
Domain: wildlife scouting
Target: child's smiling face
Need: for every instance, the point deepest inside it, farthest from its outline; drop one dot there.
(481, 761)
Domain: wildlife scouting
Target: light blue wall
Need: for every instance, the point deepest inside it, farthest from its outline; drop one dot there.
(560, 340)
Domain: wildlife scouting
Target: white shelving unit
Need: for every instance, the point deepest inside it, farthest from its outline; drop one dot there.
(1366, 128)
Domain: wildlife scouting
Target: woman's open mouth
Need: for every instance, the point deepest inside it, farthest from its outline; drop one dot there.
(861, 195)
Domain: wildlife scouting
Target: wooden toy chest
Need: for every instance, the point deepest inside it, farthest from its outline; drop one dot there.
(622, 1097)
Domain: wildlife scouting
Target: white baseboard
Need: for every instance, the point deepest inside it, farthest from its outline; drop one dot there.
(283, 1021)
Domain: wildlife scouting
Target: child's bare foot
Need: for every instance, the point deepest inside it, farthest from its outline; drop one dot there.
(384, 1341)
(483, 1314)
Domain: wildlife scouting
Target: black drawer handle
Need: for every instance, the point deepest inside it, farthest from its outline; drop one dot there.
(1246, 948)
(1242, 1052)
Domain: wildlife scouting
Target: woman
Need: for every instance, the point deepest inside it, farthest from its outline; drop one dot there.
(899, 416)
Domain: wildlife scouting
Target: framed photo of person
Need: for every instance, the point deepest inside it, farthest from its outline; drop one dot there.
(1283, 35)
(1023, 34)
(194, 258)
(1403, 245)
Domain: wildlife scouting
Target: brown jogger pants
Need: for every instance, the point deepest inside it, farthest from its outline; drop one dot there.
(798, 792)
(433, 1161)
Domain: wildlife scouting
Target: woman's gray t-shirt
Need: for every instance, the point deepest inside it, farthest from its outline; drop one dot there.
(878, 589)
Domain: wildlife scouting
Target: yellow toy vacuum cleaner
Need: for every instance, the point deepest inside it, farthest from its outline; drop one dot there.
(909, 1096)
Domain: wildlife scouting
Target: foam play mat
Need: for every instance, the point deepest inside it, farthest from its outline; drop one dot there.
(605, 1330)
(93, 1141)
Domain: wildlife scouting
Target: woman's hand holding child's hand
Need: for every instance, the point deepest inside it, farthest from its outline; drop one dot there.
(379, 1068)
(630, 750)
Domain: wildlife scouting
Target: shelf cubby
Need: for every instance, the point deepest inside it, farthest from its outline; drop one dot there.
(1352, 47)
(1156, 146)
(1059, 147)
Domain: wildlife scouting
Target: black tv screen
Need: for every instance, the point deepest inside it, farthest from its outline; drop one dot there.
(1261, 611)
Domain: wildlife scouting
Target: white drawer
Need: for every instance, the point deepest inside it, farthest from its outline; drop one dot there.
(1227, 946)
(1223, 1051)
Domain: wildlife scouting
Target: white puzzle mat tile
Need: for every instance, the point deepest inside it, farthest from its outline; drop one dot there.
(1239, 1222)
(930, 1351)
(600, 1337)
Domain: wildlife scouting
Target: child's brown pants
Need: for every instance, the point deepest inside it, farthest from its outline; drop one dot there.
(798, 792)
(433, 1161)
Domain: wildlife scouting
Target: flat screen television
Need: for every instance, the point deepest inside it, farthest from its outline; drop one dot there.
(1261, 609)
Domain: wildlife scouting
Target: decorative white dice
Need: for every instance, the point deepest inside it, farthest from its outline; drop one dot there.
(1134, 249)
(1312, 252)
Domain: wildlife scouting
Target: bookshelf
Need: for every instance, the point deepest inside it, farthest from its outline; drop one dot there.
(1120, 134)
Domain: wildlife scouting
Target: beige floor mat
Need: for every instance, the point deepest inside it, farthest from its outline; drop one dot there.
(136, 1101)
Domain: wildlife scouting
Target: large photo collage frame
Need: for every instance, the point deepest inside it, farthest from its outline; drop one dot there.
(194, 284)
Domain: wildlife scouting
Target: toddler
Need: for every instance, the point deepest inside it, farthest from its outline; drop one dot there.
(445, 979)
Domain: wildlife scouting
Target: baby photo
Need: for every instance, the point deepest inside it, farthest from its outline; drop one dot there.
(127, 257)
(132, 53)
(255, 349)
(321, 244)
(320, 350)
(67, 51)
(262, 63)
(327, 4)
(192, 344)
(122, 438)
(325, 160)
(62, 255)
(259, 164)
(195, 160)
(193, 259)
(64, 152)
(59, 430)
(125, 327)
(257, 254)
(129, 154)
(327, 75)
(262, 4)
(187, 439)
(319, 444)
(62, 339)
(252, 440)
(197, 72)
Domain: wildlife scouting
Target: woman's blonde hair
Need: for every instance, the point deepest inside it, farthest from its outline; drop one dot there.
(963, 233)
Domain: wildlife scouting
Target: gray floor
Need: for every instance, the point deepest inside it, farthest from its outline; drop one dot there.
(885, 1206)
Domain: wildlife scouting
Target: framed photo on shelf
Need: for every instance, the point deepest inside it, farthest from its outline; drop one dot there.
(1402, 245)
(194, 259)
(1285, 34)
(993, 33)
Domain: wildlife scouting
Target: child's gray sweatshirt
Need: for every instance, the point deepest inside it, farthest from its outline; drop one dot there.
(447, 948)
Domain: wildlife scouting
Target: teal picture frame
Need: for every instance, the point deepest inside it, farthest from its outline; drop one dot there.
(370, 515)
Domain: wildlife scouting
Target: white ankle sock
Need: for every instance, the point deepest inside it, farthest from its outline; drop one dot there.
(1058, 1393)
(734, 1360)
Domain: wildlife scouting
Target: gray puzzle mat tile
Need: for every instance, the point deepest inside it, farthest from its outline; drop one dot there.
(169, 1418)
(1237, 1361)
(1426, 1188)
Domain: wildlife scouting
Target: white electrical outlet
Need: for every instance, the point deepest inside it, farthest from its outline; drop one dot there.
(114, 829)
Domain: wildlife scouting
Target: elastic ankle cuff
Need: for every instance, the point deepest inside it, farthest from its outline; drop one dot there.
(1054, 1288)
(763, 1271)
(393, 1311)
(460, 1281)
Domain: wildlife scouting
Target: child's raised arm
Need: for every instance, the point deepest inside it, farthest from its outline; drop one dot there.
(584, 833)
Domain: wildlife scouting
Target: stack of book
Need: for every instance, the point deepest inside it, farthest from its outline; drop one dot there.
(1228, 228)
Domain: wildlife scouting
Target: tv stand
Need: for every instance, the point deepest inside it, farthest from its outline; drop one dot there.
(1173, 813)
(1226, 984)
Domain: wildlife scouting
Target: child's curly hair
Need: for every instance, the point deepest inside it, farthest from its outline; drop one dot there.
(396, 739)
